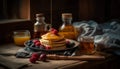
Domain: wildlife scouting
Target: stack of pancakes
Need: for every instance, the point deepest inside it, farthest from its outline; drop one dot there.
(56, 41)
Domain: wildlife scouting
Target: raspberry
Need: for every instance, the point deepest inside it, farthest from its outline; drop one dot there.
(55, 32)
(51, 29)
(35, 55)
(33, 59)
(67, 42)
(37, 44)
(43, 57)
(35, 40)
(48, 47)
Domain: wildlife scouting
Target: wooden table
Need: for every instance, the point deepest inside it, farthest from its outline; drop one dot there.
(111, 62)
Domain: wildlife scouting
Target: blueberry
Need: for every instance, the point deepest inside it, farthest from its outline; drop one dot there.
(29, 41)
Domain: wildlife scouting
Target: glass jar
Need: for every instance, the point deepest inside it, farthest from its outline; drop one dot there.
(40, 27)
(67, 29)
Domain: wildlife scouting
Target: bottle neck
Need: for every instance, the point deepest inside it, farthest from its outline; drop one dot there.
(67, 21)
(40, 19)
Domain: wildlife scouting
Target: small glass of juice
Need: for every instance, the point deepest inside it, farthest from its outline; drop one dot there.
(20, 36)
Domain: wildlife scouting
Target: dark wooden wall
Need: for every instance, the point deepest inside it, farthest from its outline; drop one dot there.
(58, 7)
(98, 10)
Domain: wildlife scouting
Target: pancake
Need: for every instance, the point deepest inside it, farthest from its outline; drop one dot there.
(55, 41)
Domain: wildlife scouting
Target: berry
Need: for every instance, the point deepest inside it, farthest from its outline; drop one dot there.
(37, 44)
(32, 59)
(35, 55)
(35, 40)
(51, 29)
(48, 47)
(43, 57)
(67, 42)
(29, 41)
(55, 32)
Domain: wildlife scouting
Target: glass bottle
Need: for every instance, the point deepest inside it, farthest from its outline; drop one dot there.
(40, 27)
(67, 29)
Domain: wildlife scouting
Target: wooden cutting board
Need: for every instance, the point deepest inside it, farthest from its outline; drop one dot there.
(96, 56)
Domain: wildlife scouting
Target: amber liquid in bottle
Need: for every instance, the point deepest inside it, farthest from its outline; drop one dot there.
(67, 29)
(40, 27)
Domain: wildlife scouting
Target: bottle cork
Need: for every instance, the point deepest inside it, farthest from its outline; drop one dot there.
(39, 15)
(66, 15)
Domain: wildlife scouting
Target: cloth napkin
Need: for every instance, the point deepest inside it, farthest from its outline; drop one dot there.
(107, 35)
(8, 63)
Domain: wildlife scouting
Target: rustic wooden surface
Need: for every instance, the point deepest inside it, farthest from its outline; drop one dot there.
(50, 64)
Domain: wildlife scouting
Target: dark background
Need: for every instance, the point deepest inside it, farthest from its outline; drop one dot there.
(97, 10)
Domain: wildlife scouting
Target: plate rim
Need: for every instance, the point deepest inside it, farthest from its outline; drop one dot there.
(58, 50)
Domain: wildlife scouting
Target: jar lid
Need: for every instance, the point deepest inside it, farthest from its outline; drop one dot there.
(66, 15)
(39, 15)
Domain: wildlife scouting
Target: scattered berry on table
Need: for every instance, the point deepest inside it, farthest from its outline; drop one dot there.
(32, 59)
(35, 55)
(43, 57)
